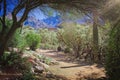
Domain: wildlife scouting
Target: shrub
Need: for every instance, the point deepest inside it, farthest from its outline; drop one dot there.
(113, 55)
(18, 41)
(12, 60)
(33, 40)
(103, 41)
(48, 39)
(71, 38)
(28, 76)
(67, 50)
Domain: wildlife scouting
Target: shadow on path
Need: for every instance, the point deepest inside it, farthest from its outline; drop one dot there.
(79, 65)
(72, 69)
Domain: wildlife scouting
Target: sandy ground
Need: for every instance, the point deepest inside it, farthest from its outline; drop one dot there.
(73, 71)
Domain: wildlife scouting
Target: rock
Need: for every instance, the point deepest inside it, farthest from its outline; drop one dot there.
(41, 63)
(32, 70)
(15, 49)
(49, 75)
(27, 48)
(38, 69)
(54, 62)
(44, 65)
(31, 60)
(69, 59)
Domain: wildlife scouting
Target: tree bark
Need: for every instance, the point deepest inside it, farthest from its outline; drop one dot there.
(95, 37)
(4, 39)
(2, 47)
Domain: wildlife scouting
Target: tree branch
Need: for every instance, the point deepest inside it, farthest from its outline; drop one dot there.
(4, 11)
(1, 20)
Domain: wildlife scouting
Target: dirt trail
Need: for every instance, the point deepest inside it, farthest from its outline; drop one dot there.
(72, 71)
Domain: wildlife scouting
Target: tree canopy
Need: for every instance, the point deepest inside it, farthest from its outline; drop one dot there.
(86, 6)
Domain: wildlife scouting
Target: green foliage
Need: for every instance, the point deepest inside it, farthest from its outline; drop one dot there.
(104, 34)
(85, 32)
(13, 60)
(67, 50)
(33, 40)
(18, 41)
(8, 23)
(72, 37)
(113, 55)
(27, 37)
(14, 40)
(48, 39)
(45, 59)
(28, 76)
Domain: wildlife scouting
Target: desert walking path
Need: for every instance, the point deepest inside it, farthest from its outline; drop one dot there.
(70, 70)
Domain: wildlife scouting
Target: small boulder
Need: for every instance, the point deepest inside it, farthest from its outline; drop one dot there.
(54, 62)
(44, 65)
(38, 69)
(49, 75)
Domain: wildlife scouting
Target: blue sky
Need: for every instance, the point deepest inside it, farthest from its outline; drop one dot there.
(37, 13)
(10, 6)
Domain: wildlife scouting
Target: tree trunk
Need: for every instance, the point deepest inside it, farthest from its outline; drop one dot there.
(95, 37)
(77, 52)
(4, 39)
(2, 49)
(2, 43)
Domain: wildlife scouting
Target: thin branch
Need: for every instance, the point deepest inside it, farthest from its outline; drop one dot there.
(4, 12)
(1, 20)
(24, 16)
(19, 7)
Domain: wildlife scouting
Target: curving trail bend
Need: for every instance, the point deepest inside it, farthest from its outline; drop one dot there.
(70, 70)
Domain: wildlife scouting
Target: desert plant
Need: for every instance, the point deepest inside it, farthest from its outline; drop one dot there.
(14, 61)
(28, 76)
(71, 39)
(33, 40)
(18, 41)
(74, 36)
(48, 39)
(103, 40)
(113, 54)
